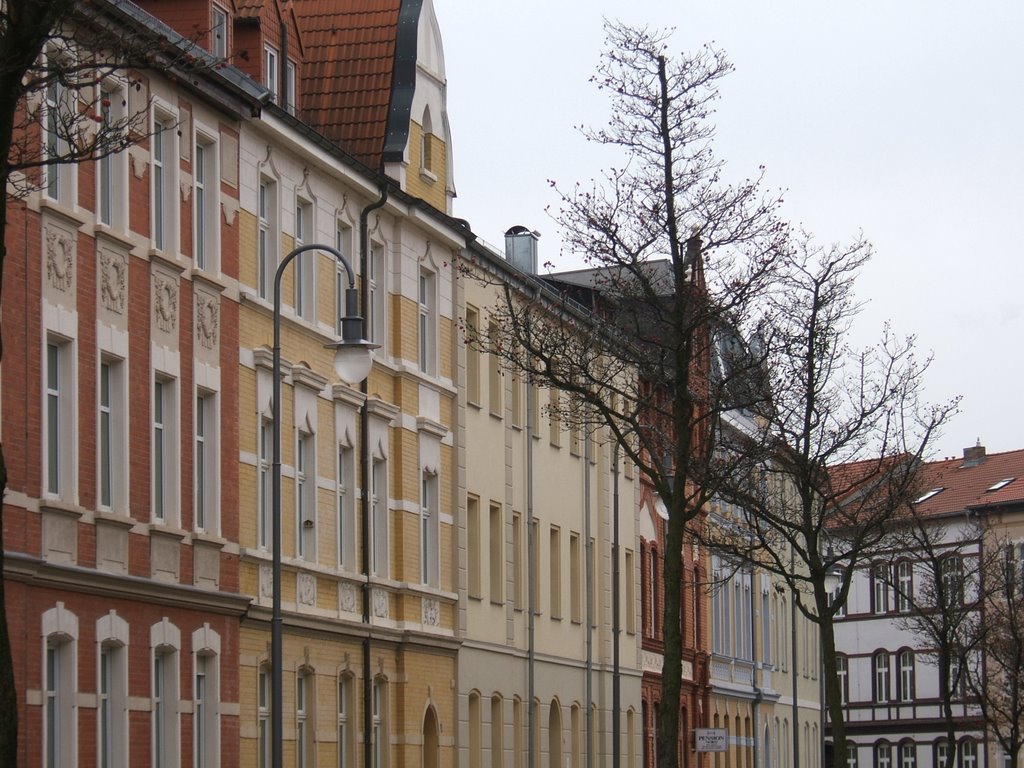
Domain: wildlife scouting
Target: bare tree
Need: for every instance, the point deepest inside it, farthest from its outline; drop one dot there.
(674, 253)
(995, 672)
(54, 58)
(827, 464)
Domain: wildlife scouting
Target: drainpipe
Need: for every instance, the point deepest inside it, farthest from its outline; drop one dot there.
(616, 674)
(531, 575)
(364, 481)
(758, 695)
(590, 597)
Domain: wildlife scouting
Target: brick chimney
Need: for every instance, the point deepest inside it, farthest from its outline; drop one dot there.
(974, 455)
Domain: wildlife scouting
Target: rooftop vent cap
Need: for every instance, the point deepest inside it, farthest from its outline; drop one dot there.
(521, 248)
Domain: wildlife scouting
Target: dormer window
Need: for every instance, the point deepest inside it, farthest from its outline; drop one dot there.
(270, 71)
(928, 494)
(289, 82)
(219, 33)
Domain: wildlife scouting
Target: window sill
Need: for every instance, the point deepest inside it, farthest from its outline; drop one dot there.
(428, 176)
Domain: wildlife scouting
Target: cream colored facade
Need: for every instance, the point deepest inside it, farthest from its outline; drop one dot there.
(538, 499)
(292, 193)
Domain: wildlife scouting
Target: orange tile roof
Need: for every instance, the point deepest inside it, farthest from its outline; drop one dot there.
(966, 483)
(348, 73)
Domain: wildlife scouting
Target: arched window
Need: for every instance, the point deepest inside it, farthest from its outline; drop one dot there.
(431, 749)
(883, 755)
(908, 754)
(60, 635)
(904, 586)
(555, 734)
(880, 588)
(305, 717)
(475, 744)
(952, 572)
(112, 691)
(497, 731)
(346, 722)
(380, 723)
(206, 692)
(906, 678)
(968, 753)
(880, 667)
(843, 672)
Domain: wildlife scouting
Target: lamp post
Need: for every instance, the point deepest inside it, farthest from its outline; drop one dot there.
(353, 357)
(832, 581)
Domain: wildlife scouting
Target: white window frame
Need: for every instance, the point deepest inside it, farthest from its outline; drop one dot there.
(345, 487)
(427, 327)
(164, 707)
(165, 450)
(206, 464)
(881, 669)
(908, 754)
(59, 418)
(379, 715)
(164, 193)
(267, 240)
(263, 703)
(904, 586)
(112, 435)
(379, 517)
(206, 202)
(305, 264)
(59, 180)
(883, 754)
(112, 691)
(376, 316)
(968, 753)
(112, 168)
(907, 674)
(305, 495)
(305, 720)
(344, 730)
(843, 673)
(264, 451)
(291, 82)
(880, 588)
(59, 708)
(271, 71)
(429, 539)
(219, 30)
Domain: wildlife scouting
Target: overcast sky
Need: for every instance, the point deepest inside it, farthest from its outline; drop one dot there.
(902, 120)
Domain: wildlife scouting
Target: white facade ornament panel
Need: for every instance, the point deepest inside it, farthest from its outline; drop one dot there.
(113, 281)
(60, 260)
(380, 603)
(307, 589)
(431, 612)
(266, 581)
(165, 302)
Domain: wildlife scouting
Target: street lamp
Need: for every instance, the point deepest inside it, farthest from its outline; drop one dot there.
(353, 357)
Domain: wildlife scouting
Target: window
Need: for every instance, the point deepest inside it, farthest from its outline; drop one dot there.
(426, 144)
(475, 745)
(495, 382)
(968, 753)
(766, 627)
(290, 82)
(379, 518)
(952, 572)
(104, 716)
(346, 505)
(206, 201)
(219, 33)
(652, 592)
(342, 243)
(165, 452)
(880, 579)
(473, 545)
(496, 554)
(497, 733)
(533, 406)
(904, 586)
(345, 740)
(555, 561)
(305, 264)
(575, 591)
(165, 707)
(517, 561)
(112, 454)
(906, 679)
(165, 183)
(843, 672)
(111, 167)
(841, 609)
(270, 71)
(375, 317)
(630, 602)
(59, 419)
(517, 399)
(533, 545)
(263, 716)
(266, 437)
(207, 462)
(429, 555)
(941, 754)
(908, 755)
(380, 724)
(58, 701)
(427, 324)
(554, 419)
(59, 114)
(267, 237)
(957, 678)
(851, 755)
(205, 712)
(883, 755)
(305, 496)
(304, 722)
(517, 733)
(472, 356)
(880, 663)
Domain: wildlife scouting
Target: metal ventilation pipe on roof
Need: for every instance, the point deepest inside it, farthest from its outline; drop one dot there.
(521, 248)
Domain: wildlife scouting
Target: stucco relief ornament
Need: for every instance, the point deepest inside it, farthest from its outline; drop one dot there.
(266, 581)
(60, 259)
(307, 589)
(207, 320)
(380, 603)
(348, 598)
(431, 612)
(166, 304)
(113, 282)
